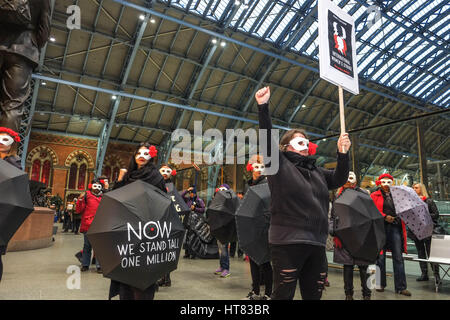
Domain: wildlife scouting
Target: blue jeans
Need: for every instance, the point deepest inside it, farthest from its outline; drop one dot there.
(87, 249)
(394, 242)
(224, 255)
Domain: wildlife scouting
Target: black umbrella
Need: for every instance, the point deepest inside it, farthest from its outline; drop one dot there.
(252, 223)
(136, 235)
(180, 205)
(359, 225)
(220, 215)
(15, 200)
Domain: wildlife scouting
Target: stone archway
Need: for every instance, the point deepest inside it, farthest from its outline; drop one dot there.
(78, 153)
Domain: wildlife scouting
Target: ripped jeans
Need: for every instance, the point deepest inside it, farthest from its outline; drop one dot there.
(298, 262)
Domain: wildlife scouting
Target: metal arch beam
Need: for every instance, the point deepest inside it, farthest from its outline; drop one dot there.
(393, 43)
(418, 74)
(126, 72)
(125, 42)
(203, 69)
(224, 108)
(274, 62)
(417, 34)
(304, 98)
(444, 87)
(249, 46)
(175, 105)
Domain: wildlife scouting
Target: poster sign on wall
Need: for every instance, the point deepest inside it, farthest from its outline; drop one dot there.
(337, 46)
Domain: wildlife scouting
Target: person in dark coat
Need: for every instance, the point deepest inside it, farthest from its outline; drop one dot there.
(141, 167)
(259, 272)
(197, 205)
(300, 202)
(8, 146)
(395, 229)
(20, 45)
(342, 256)
(424, 246)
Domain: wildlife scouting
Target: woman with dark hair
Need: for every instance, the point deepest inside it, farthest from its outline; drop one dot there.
(261, 274)
(141, 167)
(424, 246)
(8, 146)
(300, 202)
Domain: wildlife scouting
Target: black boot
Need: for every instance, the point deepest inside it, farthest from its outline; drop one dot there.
(423, 277)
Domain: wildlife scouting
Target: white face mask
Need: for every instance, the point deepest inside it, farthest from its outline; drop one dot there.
(258, 167)
(351, 177)
(165, 171)
(143, 153)
(299, 143)
(97, 186)
(386, 182)
(6, 140)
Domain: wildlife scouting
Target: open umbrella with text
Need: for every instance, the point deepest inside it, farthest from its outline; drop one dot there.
(136, 235)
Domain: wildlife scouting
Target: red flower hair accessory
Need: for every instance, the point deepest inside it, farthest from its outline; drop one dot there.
(10, 132)
(153, 151)
(312, 147)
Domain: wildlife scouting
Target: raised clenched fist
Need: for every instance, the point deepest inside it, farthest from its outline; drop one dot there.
(262, 96)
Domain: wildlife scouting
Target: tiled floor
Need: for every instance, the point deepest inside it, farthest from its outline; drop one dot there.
(42, 274)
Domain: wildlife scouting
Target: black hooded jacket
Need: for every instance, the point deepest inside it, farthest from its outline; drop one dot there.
(299, 191)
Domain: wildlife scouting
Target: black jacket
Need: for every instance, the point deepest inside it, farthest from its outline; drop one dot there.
(27, 42)
(299, 191)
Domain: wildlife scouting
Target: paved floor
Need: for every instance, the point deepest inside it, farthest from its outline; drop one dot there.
(42, 274)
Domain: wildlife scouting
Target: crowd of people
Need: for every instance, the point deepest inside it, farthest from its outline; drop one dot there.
(299, 218)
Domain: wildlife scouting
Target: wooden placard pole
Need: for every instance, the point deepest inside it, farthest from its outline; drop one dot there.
(342, 113)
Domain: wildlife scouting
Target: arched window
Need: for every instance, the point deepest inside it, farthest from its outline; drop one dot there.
(41, 168)
(73, 176)
(78, 173)
(36, 171)
(107, 172)
(82, 177)
(111, 167)
(46, 172)
(115, 174)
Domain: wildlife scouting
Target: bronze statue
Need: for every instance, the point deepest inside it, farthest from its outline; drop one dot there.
(24, 30)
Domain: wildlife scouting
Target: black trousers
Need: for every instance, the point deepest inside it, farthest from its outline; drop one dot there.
(266, 270)
(298, 262)
(233, 246)
(15, 79)
(76, 225)
(127, 292)
(423, 252)
(348, 280)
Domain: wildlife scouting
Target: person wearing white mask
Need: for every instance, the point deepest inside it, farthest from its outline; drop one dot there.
(256, 167)
(8, 140)
(342, 256)
(141, 167)
(299, 206)
(395, 235)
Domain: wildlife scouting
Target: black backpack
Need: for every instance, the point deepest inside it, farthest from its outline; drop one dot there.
(15, 12)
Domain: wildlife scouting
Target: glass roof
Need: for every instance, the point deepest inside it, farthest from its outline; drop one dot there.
(407, 48)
